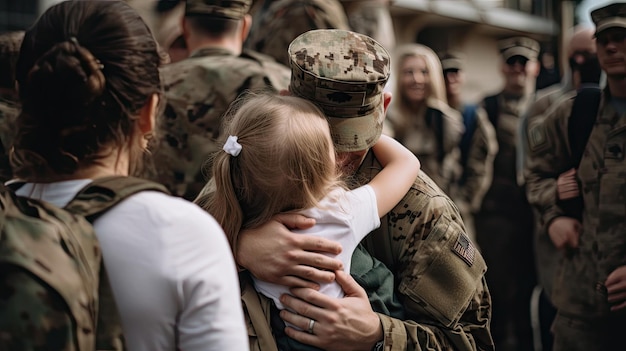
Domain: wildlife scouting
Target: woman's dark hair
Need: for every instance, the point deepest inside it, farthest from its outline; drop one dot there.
(86, 69)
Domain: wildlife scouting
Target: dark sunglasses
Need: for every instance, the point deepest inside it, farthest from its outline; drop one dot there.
(516, 59)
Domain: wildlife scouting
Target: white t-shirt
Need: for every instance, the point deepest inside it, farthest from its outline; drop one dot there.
(342, 216)
(171, 270)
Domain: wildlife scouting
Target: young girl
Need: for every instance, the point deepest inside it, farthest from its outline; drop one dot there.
(280, 157)
(89, 87)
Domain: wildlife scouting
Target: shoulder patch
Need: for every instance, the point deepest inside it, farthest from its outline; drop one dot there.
(465, 249)
(537, 138)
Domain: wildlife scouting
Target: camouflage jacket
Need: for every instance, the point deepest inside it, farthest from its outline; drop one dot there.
(579, 281)
(439, 276)
(478, 171)
(436, 149)
(504, 193)
(279, 22)
(198, 91)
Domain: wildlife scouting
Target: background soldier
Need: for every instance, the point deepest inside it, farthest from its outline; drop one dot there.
(504, 224)
(199, 89)
(589, 287)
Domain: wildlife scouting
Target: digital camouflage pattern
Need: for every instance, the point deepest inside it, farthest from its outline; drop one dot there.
(233, 9)
(579, 281)
(279, 22)
(344, 73)
(198, 91)
(438, 271)
(49, 278)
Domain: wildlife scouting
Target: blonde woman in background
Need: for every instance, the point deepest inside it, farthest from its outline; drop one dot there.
(420, 116)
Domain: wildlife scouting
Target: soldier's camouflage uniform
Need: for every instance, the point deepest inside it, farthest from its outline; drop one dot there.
(439, 275)
(579, 292)
(198, 91)
(281, 21)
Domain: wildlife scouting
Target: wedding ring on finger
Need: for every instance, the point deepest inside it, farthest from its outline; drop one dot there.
(311, 325)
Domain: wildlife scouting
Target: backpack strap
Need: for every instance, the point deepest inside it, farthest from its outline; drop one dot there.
(102, 194)
(581, 121)
(492, 107)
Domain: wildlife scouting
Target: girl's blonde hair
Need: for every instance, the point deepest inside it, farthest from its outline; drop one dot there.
(286, 162)
(437, 84)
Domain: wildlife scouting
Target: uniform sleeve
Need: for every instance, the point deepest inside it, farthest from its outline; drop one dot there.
(453, 128)
(547, 158)
(479, 169)
(456, 277)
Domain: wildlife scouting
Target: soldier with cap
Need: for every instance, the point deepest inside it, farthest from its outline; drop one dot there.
(199, 89)
(477, 167)
(589, 286)
(504, 222)
(439, 274)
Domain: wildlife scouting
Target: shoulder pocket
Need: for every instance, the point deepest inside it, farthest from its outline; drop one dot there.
(444, 281)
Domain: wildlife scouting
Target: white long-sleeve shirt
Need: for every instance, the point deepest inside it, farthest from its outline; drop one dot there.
(171, 270)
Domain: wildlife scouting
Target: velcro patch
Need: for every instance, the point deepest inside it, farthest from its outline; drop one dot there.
(465, 249)
(537, 140)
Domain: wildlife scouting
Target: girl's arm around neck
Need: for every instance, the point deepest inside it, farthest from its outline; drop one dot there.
(400, 168)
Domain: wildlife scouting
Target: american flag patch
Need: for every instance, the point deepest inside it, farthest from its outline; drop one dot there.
(464, 249)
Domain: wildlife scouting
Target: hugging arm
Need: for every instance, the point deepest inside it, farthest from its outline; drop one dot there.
(274, 254)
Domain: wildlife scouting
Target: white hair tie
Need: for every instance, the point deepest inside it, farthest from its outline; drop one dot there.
(231, 146)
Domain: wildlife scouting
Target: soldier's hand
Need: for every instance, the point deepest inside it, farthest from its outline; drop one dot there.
(564, 232)
(274, 254)
(347, 323)
(616, 288)
(567, 186)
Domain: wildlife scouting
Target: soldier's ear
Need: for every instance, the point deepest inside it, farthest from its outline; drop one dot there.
(246, 24)
(284, 92)
(386, 100)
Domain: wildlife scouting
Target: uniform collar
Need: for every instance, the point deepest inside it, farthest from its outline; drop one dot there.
(211, 51)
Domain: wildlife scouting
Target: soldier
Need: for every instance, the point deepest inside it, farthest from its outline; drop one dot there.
(278, 22)
(504, 223)
(583, 78)
(9, 106)
(199, 89)
(439, 273)
(478, 167)
(589, 284)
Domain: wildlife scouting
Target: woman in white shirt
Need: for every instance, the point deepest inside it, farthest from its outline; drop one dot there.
(89, 87)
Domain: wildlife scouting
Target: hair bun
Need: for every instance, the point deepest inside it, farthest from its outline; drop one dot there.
(67, 76)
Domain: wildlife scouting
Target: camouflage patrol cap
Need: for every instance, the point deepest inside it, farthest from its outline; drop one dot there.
(233, 9)
(344, 74)
(451, 60)
(519, 46)
(610, 16)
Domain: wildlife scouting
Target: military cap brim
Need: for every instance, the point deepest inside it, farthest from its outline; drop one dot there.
(519, 46)
(610, 16)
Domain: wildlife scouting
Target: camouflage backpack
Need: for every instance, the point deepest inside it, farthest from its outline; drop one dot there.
(52, 280)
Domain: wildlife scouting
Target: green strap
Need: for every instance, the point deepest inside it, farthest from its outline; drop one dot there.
(100, 195)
